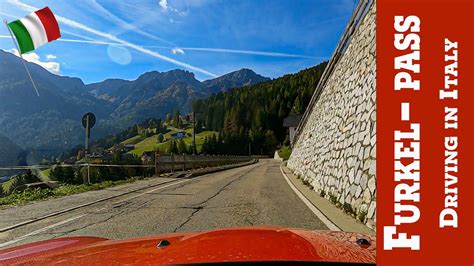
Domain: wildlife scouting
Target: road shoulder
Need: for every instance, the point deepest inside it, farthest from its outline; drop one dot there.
(337, 219)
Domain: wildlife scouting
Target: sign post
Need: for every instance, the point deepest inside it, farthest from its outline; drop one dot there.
(88, 122)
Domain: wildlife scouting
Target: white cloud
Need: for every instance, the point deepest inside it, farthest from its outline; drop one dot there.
(177, 51)
(80, 26)
(164, 4)
(198, 49)
(125, 26)
(180, 12)
(166, 7)
(32, 57)
(263, 53)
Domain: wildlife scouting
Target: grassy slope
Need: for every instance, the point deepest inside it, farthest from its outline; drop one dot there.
(151, 143)
(133, 140)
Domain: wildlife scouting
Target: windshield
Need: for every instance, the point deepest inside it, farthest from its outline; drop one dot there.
(130, 119)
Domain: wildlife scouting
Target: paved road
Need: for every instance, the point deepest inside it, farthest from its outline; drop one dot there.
(252, 195)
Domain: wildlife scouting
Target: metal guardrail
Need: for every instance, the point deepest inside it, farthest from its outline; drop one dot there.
(39, 167)
(171, 163)
(357, 16)
(162, 163)
(87, 165)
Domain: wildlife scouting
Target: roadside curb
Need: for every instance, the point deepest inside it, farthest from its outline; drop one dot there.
(331, 226)
(334, 218)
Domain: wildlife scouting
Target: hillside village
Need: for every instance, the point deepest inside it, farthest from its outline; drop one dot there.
(171, 136)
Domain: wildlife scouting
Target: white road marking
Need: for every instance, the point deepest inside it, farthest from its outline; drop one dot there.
(40, 230)
(82, 215)
(70, 209)
(310, 205)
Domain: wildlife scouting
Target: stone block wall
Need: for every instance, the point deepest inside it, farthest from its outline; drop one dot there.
(335, 150)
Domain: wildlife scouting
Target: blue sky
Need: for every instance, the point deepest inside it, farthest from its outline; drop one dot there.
(123, 39)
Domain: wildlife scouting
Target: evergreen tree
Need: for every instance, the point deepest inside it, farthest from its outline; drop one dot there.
(173, 148)
(182, 148)
(176, 118)
(254, 114)
(57, 173)
(198, 126)
(271, 142)
(297, 108)
(160, 138)
(117, 156)
(70, 176)
(205, 146)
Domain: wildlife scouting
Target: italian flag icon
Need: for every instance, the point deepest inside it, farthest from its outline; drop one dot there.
(34, 30)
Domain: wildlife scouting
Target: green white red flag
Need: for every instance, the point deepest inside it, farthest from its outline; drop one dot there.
(34, 30)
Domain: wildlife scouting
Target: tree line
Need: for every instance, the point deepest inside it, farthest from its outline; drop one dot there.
(251, 118)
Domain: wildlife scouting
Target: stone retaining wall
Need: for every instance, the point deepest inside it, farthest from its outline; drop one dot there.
(335, 151)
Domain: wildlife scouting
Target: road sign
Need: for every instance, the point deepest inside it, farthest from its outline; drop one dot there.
(91, 118)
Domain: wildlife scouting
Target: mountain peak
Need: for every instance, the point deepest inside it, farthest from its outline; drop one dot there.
(245, 73)
(246, 70)
(116, 102)
(174, 73)
(238, 78)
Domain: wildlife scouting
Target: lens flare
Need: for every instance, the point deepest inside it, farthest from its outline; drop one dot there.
(119, 54)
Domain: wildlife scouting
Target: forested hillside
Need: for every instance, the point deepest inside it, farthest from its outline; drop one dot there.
(10, 153)
(253, 115)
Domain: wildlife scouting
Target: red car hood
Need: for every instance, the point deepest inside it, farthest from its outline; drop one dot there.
(249, 244)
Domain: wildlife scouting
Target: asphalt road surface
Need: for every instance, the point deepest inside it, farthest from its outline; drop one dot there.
(252, 195)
